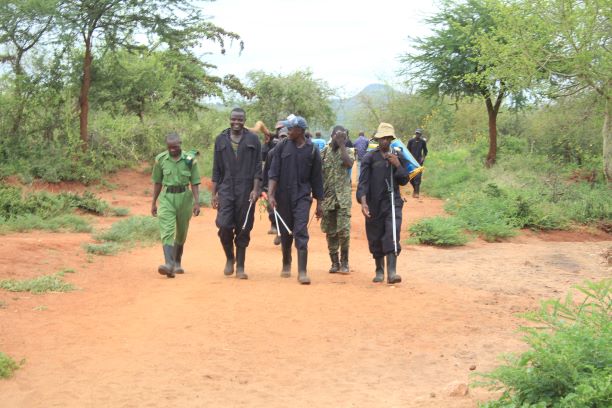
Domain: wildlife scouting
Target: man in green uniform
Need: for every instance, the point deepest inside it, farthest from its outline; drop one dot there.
(336, 160)
(174, 170)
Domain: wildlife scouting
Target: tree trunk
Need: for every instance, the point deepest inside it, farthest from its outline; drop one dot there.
(84, 96)
(492, 112)
(18, 96)
(607, 142)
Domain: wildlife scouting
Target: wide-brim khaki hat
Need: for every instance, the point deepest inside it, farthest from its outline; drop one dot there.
(384, 130)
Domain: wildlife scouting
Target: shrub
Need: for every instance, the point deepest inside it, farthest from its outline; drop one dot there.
(569, 363)
(7, 366)
(440, 231)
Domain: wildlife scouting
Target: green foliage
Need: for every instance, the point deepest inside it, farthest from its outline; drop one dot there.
(42, 284)
(439, 231)
(104, 248)
(569, 362)
(7, 366)
(31, 222)
(298, 93)
(118, 211)
(87, 202)
(134, 229)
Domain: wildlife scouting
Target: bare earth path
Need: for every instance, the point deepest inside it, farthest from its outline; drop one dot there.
(131, 338)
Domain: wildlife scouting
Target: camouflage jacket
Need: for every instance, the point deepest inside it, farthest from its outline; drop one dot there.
(336, 179)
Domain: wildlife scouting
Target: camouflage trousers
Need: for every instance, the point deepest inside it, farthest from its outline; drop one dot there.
(336, 224)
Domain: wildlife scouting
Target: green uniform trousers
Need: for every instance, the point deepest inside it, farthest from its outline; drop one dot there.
(336, 224)
(174, 213)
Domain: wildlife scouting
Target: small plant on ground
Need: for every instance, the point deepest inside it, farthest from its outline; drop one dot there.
(25, 223)
(41, 284)
(104, 248)
(142, 229)
(439, 231)
(118, 211)
(569, 363)
(7, 366)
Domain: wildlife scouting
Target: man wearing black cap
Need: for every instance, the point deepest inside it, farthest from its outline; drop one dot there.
(294, 180)
(418, 148)
(236, 181)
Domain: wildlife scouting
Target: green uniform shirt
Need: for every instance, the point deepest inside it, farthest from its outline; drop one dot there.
(169, 172)
(336, 179)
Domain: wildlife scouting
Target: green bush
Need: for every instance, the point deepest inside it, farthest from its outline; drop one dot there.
(439, 231)
(205, 197)
(87, 202)
(569, 362)
(7, 366)
(118, 211)
(42, 284)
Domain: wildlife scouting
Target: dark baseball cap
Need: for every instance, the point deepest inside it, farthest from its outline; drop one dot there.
(296, 121)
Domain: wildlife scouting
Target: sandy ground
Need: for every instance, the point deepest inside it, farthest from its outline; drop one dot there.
(132, 338)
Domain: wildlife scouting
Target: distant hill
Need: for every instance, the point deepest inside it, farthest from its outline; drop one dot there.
(374, 92)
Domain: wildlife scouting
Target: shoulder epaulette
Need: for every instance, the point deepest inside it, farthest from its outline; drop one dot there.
(161, 156)
(191, 157)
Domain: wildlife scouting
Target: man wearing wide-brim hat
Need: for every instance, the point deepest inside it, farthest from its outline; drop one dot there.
(383, 171)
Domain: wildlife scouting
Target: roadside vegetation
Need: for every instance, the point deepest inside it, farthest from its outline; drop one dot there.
(124, 234)
(41, 284)
(569, 360)
(7, 366)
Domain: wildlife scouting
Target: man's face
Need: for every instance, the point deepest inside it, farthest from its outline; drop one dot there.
(237, 121)
(339, 138)
(385, 142)
(174, 147)
(296, 132)
(417, 135)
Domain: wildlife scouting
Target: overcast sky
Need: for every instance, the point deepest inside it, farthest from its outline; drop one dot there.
(349, 44)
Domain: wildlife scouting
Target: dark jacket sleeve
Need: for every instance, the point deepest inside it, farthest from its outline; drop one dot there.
(217, 173)
(316, 175)
(424, 148)
(401, 173)
(258, 156)
(274, 158)
(364, 177)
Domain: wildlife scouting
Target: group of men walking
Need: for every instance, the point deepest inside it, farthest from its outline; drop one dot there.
(294, 172)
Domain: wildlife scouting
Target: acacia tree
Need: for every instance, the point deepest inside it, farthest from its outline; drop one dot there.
(112, 24)
(23, 23)
(557, 48)
(447, 64)
(299, 93)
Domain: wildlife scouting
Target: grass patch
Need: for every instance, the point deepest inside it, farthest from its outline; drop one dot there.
(125, 233)
(42, 284)
(118, 211)
(439, 231)
(104, 248)
(569, 362)
(31, 222)
(7, 366)
(134, 229)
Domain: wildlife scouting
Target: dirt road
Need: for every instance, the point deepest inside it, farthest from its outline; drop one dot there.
(131, 338)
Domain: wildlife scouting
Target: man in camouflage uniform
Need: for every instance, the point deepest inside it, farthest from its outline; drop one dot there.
(174, 170)
(337, 160)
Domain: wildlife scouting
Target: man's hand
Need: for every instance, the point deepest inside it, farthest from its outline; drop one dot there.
(215, 201)
(319, 210)
(365, 210)
(196, 209)
(393, 159)
(154, 210)
(272, 201)
(254, 196)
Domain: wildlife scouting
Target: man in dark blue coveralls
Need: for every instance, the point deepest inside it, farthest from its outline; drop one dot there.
(294, 180)
(236, 184)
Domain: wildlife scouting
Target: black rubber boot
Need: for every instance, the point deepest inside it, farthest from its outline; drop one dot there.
(178, 255)
(380, 270)
(286, 272)
(392, 277)
(229, 263)
(415, 193)
(344, 258)
(302, 262)
(168, 267)
(240, 256)
(335, 266)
